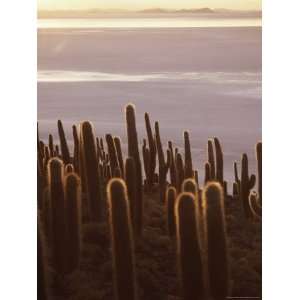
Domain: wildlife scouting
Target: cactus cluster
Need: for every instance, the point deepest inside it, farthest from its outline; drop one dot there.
(95, 183)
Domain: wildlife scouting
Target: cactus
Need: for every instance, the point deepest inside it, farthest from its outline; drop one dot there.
(122, 241)
(189, 185)
(173, 175)
(188, 164)
(42, 293)
(136, 211)
(117, 142)
(179, 171)
(246, 185)
(255, 206)
(51, 147)
(207, 175)
(211, 159)
(163, 164)
(76, 149)
(55, 170)
(113, 158)
(216, 240)
(219, 161)
(171, 195)
(215, 160)
(146, 161)
(90, 171)
(152, 152)
(63, 143)
(133, 151)
(73, 220)
(188, 248)
(259, 170)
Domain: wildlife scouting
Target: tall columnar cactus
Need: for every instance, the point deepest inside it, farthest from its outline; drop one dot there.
(57, 199)
(163, 164)
(173, 175)
(51, 146)
(246, 185)
(216, 240)
(42, 292)
(171, 195)
(112, 152)
(90, 171)
(188, 165)
(207, 175)
(133, 151)
(189, 185)
(122, 241)
(188, 248)
(219, 161)
(152, 152)
(259, 170)
(215, 160)
(179, 171)
(136, 211)
(73, 220)
(117, 142)
(76, 149)
(146, 161)
(63, 143)
(211, 158)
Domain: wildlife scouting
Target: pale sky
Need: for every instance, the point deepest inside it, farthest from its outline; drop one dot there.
(142, 4)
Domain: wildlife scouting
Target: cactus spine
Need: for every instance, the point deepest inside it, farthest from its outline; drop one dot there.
(63, 143)
(171, 195)
(122, 241)
(91, 172)
(73, 220)
(216, 240)
(133, 151)
(188, 248)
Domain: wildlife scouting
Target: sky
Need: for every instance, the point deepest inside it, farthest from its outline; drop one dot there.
(138, 4)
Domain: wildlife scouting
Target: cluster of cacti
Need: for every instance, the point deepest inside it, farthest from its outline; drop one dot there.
(243, 185)
(72, 188)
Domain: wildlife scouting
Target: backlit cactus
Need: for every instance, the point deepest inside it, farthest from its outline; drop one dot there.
(73, 220)
(188, 248)
(112, 152)
(216, 240)
(122, 241)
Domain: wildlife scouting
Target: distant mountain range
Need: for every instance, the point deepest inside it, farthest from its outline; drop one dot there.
(94, 13)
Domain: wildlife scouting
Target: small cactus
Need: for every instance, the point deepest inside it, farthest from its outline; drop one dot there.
(216, 240)
(173, 174)
(112, 152)
(76, 149)
(117, 142)
(179, 171)
(188, 248)
(122, 241)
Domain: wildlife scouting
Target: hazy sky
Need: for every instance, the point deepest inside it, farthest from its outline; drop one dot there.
(141, 4)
